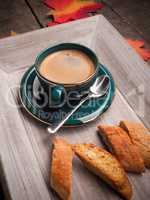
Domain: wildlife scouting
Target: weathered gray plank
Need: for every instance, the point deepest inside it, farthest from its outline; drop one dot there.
(40, 10)
(15, 15)
(131, 73)
(121, 25)
(26, 136)
(20, 167)
(136, 13)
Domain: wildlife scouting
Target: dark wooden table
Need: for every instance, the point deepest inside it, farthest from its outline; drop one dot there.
(25, 144)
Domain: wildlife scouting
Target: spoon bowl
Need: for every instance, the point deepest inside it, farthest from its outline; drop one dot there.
(100, 87)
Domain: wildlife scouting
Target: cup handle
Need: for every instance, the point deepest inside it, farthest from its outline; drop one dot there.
(57, 94)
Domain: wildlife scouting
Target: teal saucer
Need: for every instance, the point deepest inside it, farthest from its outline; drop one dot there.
(31, 95)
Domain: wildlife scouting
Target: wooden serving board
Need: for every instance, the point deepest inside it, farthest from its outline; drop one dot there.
(25, 145)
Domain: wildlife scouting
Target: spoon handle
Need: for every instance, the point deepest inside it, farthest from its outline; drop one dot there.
(56, 126)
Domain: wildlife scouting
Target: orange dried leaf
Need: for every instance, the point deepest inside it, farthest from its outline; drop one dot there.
(51, 23)
(73, 7)
(13, 33)
(76, 9)
(81, 13)
(138, 45)
(70, 17)
(57, 4)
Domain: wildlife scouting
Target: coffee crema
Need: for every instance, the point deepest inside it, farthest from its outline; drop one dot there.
(67, 67)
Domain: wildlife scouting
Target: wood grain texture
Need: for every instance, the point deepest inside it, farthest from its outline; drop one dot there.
(131, 73)
(119, 14)
(135, 12)
(15, 15)
(40, 10)
(121, 25)
(20, 167)
(25, 144)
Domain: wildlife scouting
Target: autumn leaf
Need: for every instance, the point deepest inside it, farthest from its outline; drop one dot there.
(70, 17)
(74, 9)
(57, 4)
(76, 6)
(82, 13)
(13, 33)
(138, 46)
(51, 23)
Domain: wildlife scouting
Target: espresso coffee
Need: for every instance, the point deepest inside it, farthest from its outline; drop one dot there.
(67, 67)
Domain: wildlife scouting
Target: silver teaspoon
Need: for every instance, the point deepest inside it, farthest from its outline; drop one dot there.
(97, 90)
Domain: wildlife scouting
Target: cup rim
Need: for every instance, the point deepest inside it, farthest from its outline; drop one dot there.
(63, 48)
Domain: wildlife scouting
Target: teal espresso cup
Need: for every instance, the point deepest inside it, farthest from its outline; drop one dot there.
(59, 94)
